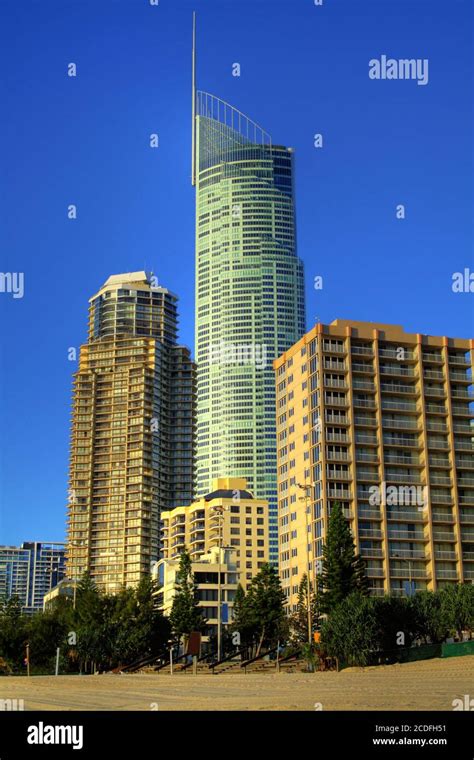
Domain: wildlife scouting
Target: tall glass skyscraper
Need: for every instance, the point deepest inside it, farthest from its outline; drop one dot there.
(249, 294)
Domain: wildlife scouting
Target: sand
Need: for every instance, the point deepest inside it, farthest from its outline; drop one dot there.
(427, 685)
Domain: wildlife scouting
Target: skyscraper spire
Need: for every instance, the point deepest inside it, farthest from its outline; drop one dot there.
(193, 159)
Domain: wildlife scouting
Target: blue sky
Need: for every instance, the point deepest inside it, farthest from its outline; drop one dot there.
(85, 141)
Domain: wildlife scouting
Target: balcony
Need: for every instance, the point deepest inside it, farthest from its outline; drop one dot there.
(436, 409)
(368, 439)
(464, 445)
(335, 383)
(403, 406)
(442, 517)
(333, 419)
(360, 385)
(445, 555)
(366, 457)
(438, 443)
(375, 572)
(440, 427)
(466, 463)
(389, 353)
(406, 516)
(440, 480)
(439, 498)
(372, 552)
(338, 456)
(405, 535)
(369, 533)
(439, 462)
(407, 554)
(458, 359)
(391, 477)
(399, 388)
(400, 424)
(366, 403)
(467, 517)
(362, 350)
(434, 391)
(448, 574)
(404, 460)
(439, 536)
(371, 477)
(365, 368)
(394, 370)
(339, 366)
(405, 572)
(462, 411)
(335, 401)
(333, 348)
(338, 474)
(433, 358)
(371, 514)
(466, 393)
(365, 421)
(399, 441)
(337, 438)
(461, 377)
(339, 493)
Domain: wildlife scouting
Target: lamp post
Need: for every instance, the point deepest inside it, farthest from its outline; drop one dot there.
(218, 513)
(307, 489)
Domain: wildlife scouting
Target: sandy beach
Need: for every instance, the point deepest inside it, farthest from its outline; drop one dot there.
(428, 685)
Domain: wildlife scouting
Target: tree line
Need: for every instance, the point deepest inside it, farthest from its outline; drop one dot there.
(102, 631)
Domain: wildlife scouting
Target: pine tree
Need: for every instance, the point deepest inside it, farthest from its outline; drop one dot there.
(242, 620)
(299, 619)
(343, 571)
(265, 605)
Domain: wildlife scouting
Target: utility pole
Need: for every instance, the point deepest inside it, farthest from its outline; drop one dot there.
(307, 488)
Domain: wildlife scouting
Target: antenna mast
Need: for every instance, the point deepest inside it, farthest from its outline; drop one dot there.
(193, 158)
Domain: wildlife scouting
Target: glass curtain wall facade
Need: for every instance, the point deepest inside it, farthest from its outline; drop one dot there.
(249, 296)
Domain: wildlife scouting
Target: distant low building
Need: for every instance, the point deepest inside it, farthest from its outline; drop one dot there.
(206, 576)
(65, 588)
(30, 571)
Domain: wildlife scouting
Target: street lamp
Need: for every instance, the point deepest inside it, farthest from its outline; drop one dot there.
(307, 490)
(218, 512)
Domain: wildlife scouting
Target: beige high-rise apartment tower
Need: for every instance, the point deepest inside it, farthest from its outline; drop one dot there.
(380, 421)
(132, 440)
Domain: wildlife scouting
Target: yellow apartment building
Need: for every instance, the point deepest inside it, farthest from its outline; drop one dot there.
(229, 516)
(381, 421)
